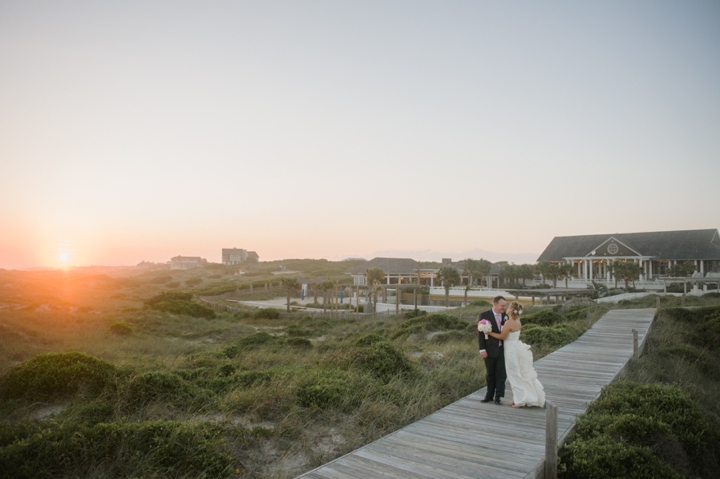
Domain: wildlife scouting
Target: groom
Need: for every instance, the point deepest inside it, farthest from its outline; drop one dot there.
(491, 350)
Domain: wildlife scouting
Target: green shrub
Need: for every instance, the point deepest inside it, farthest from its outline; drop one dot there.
(173, 284)
(480, 303)
(552, 336)
(415, 313)
(187, 308)
(604, 457)
(383, 360)
(297, 331)
(53, 375)
(242, 314)
(303, 343)
(150, 449)
(369, 339)
(121, 329)
(544, 317)
(163, 386)
(255, 339)
(91, 413)
(323, 390)
(193, 281)
(430, 322)
(646, 424)
(168, 296)
(267, 313)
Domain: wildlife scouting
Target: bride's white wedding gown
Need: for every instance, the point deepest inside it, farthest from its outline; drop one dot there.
(527, 390)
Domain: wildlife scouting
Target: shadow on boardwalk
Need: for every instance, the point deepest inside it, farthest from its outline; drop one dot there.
(467, 439)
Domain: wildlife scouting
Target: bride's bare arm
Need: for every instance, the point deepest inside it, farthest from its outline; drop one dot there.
(507, 329)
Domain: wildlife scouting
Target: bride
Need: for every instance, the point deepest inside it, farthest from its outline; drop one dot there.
(527, 390)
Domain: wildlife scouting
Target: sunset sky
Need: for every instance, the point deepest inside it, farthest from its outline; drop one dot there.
(142, 130)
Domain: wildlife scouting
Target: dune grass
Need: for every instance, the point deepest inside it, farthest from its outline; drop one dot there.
(247, 397)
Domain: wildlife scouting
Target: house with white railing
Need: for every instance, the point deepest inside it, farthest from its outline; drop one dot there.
(591, 256)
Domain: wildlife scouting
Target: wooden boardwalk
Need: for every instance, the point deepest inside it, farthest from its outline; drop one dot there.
(468, 439)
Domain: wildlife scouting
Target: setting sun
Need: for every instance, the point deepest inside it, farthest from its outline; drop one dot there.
(64, 257)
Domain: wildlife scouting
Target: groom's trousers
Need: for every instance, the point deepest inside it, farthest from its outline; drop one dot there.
(496, 376)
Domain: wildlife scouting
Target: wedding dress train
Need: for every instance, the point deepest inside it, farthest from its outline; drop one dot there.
(527, 390)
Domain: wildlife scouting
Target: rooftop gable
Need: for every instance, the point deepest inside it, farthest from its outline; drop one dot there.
(667, 245)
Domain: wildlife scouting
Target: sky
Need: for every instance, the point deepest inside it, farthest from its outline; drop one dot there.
(141, 130)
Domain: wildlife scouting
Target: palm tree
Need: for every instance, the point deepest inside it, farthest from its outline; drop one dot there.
(289, 285)
(526, 272)
(565, 271)
(628, 271)
(470, 269)
(543, 269)
(374, 277)
(449, 277)
(484, 269)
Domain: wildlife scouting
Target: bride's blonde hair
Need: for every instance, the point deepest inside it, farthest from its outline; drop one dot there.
(514, 309)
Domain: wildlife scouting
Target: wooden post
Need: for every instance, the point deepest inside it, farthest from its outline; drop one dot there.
(589, 315)
(682, 300)
(415, 297)
(398, 295)
(635, 342)
(551, 428)
(357, 298)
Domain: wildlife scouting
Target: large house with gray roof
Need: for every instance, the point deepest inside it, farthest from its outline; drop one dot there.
(655, 252)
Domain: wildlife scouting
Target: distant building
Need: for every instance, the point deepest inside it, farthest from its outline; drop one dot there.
(187, 262)
(237, 255)
(655, 252)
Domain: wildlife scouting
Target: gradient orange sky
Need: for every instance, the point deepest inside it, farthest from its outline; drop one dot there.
(137, 130)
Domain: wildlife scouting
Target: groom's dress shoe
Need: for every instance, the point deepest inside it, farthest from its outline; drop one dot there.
(486, 400)
(497, 401)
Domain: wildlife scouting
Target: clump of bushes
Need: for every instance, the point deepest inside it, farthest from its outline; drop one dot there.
(121, 329)
(369, 339)
(54, 375)
(544, 317)
(267, 313)
(415, 313)
(326, 388)
(193, 281)
(481, 303)
(644, 431)
(552, 336)
(168, 296)
(303, 343)
(430, 322)
(383, 360)
(253, 340)
(154, 386)
(150, 449)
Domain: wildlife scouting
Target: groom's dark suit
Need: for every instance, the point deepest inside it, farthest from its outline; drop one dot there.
(495, 361)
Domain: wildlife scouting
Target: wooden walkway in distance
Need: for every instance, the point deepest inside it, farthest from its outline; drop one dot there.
(469, 439)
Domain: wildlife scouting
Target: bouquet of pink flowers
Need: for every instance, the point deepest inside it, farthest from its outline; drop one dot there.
(484, 326)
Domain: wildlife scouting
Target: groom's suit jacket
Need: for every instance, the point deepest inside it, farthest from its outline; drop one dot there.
(491, 345)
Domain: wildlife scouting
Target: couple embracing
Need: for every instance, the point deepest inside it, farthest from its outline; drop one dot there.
(506, 357)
